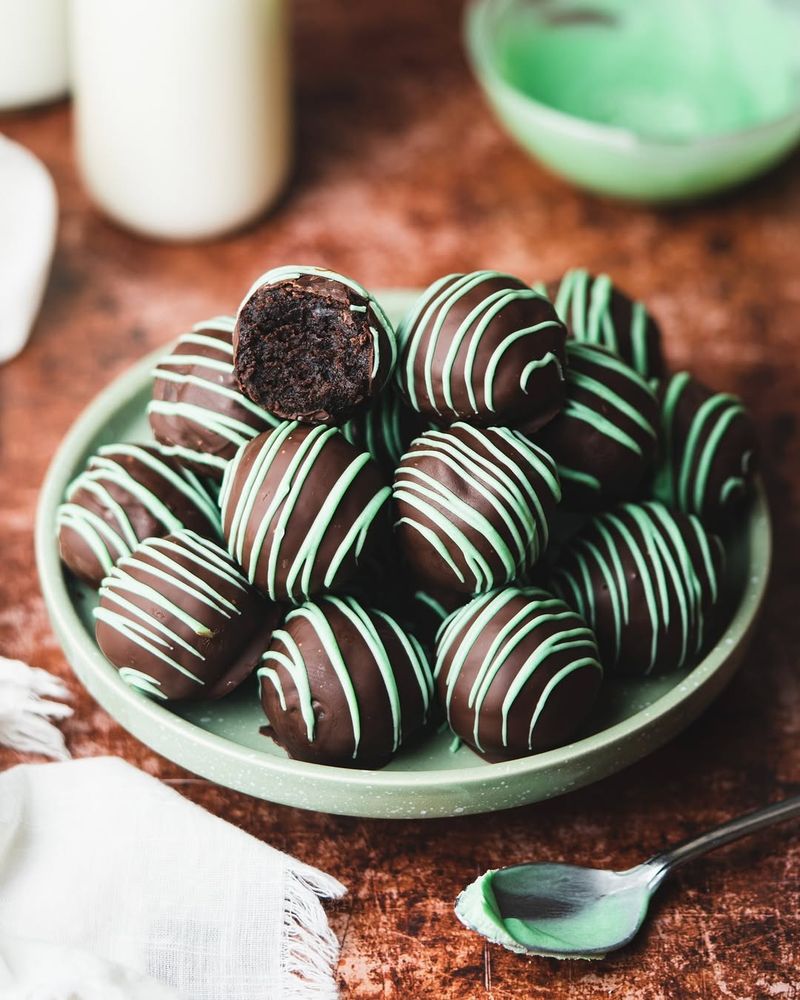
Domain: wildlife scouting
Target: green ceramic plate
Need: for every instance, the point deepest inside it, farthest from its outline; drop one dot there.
(221, 740)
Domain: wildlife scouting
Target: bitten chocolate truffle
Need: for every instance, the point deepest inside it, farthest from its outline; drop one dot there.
(483, 348)
(312, 345)
(385, 430)
(300, 507)
(129, 492)
(198, 413)
(517, 671)
(648, 581)
(343, 685)
(472, 506)
(596, 312)
(179, 621)
(708, 451)
(604, 440)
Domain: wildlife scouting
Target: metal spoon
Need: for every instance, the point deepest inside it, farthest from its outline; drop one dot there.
(566, 911)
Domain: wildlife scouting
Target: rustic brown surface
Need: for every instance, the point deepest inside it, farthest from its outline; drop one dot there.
(402, 176)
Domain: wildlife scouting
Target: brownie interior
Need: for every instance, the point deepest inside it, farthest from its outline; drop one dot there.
(304, 352)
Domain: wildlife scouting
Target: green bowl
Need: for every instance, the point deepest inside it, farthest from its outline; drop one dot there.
(221, 740)
(604, 158)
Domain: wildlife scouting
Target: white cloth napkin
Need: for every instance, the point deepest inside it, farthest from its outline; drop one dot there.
(97, 857)
(27, 707)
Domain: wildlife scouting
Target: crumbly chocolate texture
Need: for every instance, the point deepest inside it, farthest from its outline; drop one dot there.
(517, 671)
(708, 456)
(648, 580)
(129, 492)
(344, 685)
(604, 440)
(180, 622)
(301, 507)
(483, 348)
(472, 506)
(595, 311)
(198, 412)
(311, 345)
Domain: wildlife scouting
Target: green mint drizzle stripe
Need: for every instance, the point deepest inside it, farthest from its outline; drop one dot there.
(674, 583)
(465, 625)
(505, 486)
(155, 634)
(427, 320)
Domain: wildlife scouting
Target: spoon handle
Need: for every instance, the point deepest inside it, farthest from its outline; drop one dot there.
(732, 830)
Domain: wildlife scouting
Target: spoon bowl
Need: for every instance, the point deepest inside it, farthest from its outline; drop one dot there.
(559, 910)
(566, 911)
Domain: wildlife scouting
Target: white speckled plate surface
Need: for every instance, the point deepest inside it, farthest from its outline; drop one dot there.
(221, 740)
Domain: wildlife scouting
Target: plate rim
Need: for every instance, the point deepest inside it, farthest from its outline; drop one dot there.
(104, 684)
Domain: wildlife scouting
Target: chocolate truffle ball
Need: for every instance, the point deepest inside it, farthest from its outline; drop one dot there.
(708, 451)
(604, 440)
(300, 507)
(198, 412)
(517, 671)
(647, 580)
(343, 685)
(472, 506)
(596, 312)
(129, 492)
(179, 621)
(483, 348)
(385, 430)
(312, 345)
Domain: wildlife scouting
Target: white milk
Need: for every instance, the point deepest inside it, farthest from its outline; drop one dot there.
(33, 52)
(182, 110)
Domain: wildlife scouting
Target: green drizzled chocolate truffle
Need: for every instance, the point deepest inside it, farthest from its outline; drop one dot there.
(708, 451)
(596, 312)
(604, 440)
(483, 348)
(179, 621)
(312, 345)
(343, 685)
(647, 580)
(472, 506)
(300, 507)
(198, 412)
(128, 492)
(517, 671)
(385, 430)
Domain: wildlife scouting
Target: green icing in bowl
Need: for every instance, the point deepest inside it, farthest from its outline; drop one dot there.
(669, 70)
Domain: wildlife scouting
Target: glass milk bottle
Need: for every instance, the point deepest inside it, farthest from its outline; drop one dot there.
(181, 111)
(33, 52)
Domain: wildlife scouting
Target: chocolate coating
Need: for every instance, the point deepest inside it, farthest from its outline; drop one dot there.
(180, 622)
(597, 312)
(312, 345)
(604, 440)
(647, 580)
(343, 685)
(708, 452)
(483, 348)
(129, 492)
(472, 506)
(300, 508)
(198, 412)
(517, 671)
